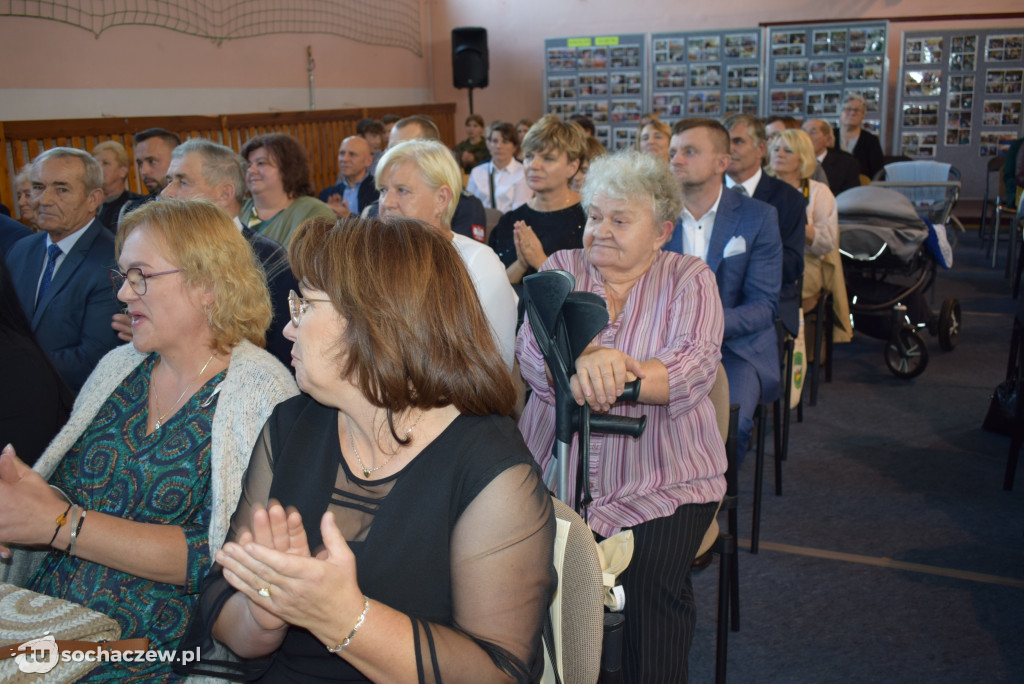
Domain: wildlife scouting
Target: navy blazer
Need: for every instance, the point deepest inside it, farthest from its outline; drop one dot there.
(10, 232)
(748, 283)
(72, 320)
(366, 195)
(791, 206)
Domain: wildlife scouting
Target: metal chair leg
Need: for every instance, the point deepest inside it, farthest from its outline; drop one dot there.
(725, 562)
(995, 234)
(755, 533)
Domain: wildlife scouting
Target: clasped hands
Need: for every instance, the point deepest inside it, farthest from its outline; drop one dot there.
(529, 251)
(298, 588)
(601, 376)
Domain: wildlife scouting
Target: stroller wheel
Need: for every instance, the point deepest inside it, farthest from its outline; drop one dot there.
(906, 356)
(949, 324)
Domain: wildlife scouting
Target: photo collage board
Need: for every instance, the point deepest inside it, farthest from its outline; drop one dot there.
(960, 98)
(705, 73)
(812, 68)
(601, 77)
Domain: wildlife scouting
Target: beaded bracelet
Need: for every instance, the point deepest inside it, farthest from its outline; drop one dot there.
(75, 531)
(62, 520)
(359, 623)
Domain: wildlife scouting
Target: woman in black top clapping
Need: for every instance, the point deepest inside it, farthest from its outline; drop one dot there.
(553, 220)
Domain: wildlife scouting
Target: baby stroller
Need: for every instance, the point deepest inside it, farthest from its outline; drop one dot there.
(889, 266)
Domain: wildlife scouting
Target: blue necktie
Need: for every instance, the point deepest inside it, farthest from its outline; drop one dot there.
(54, 252)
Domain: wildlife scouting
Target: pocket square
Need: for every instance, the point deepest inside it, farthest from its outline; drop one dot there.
(736, 245)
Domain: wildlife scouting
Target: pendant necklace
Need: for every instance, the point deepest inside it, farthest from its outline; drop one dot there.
(156, 397)
(352, 443)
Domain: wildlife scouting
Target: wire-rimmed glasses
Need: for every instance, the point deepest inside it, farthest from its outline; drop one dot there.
(298, 306)
(136, 279)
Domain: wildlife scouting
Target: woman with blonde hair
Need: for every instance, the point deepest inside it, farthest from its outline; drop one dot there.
(791, 159)
(116, 165)
(419, 179)
(133, 496)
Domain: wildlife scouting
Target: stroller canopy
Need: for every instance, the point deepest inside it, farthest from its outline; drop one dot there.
(871, 218)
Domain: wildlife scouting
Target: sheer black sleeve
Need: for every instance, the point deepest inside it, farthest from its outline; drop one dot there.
(216, 659)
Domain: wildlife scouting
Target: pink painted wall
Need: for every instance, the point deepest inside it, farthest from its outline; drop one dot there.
(157, 65)
(41, 53)
(42, 56)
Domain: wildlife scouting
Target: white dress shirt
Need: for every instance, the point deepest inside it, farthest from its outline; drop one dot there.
(697, 232)
(510, 186)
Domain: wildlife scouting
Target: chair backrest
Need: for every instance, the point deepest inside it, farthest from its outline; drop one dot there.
(577, 608)
(493, 216)
(720, 400)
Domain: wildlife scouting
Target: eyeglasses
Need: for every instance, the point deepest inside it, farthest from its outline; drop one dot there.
(298, 306)
(853, 110)
(136, 279)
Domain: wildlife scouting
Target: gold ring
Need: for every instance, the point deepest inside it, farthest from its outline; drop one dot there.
(264, 591)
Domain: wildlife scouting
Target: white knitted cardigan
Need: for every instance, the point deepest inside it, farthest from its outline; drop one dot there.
(255, 383)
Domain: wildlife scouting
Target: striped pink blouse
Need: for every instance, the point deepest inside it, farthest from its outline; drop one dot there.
(673, 314)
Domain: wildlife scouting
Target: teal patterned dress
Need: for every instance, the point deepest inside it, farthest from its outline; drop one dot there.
(161, 478)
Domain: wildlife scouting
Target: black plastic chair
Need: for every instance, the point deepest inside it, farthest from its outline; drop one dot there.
(780, 433)
(823, 341)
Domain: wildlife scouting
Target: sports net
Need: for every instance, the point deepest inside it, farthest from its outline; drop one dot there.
(393, 23)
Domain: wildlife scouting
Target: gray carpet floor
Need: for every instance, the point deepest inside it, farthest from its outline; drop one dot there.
(893, 554)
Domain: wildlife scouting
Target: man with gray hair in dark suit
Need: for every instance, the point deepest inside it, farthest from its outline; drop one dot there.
(61, 274)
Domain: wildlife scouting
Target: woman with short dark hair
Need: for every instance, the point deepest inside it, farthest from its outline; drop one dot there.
(499, 182)
(282, 192)
(553, 219)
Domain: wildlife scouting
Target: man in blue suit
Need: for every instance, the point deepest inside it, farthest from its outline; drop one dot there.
(748, 145)
(61, 274)
(738, 238)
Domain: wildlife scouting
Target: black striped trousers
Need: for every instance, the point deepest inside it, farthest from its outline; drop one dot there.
(660, 610)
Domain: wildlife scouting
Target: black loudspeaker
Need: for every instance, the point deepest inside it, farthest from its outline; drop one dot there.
(470, 61)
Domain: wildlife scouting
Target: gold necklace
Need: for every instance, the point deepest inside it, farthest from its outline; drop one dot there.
(352, 443)
(156, 396)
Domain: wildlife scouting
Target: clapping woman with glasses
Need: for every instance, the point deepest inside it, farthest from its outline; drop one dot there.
(393, 525)
(147, 470)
